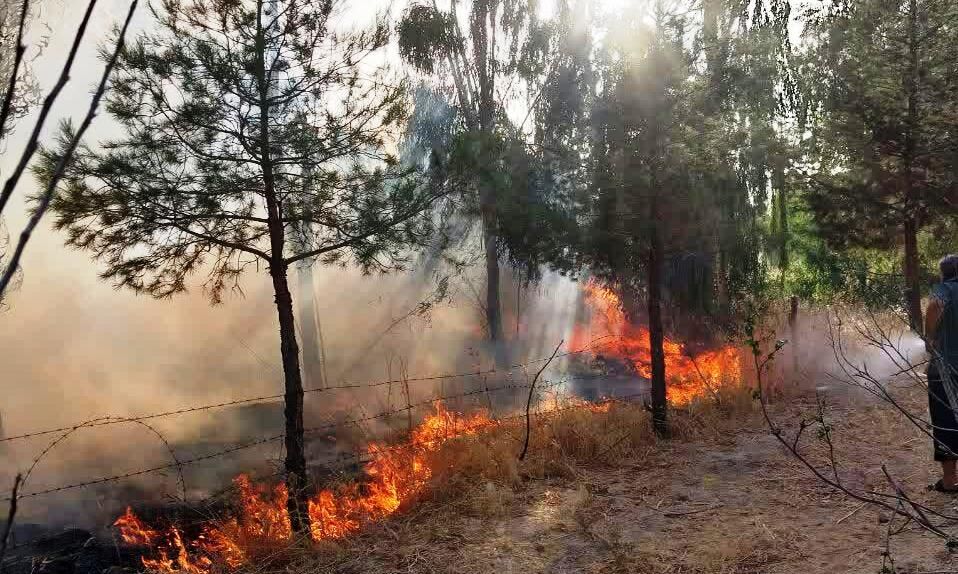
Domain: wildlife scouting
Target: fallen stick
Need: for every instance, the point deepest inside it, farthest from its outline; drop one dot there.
(677, 514)
(850, 514)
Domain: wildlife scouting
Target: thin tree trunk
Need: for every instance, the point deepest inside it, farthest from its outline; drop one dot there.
(487, 192)
(912, 280)
(296, 477)
(912, 284)
(656, 334)
(493, 299)
(795, 341)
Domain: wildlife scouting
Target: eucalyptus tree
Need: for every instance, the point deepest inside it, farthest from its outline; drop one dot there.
(481, 54)
(245, 123)
(883, 99)
(749, 99)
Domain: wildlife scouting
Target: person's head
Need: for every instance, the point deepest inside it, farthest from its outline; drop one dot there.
(948, 267)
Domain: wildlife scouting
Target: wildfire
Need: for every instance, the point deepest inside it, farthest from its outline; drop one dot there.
(689, 376)
(396, 476)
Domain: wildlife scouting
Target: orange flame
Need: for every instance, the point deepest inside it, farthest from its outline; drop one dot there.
(134, 531)
(689, 377)
(396, 476)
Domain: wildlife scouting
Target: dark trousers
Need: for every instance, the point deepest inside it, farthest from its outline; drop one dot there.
(943, 417)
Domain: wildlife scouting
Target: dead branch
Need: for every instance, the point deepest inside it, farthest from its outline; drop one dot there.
(17, 61)
(33, 142)
(532, 389)
(894, 503)
(60, 169)
(8, 528)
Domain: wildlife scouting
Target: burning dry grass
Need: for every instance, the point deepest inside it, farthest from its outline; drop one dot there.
(478, 482)
(560, 440)
(568, 439)
(463, 464)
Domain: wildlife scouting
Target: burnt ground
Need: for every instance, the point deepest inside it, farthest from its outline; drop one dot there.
(730, 501)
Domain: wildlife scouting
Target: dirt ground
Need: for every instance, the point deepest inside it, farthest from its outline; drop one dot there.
(731, 502)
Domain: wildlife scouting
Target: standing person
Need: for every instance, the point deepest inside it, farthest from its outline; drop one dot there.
(941, 342)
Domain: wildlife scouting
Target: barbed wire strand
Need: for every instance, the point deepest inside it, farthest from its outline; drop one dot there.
(339, 461)
(103, 421)
(257, 442)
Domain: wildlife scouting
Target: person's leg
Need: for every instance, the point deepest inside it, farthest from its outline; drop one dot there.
(948, 474)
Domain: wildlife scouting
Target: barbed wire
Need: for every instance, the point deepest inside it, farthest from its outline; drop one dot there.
(246, 445)
(108, 420)
(342, 460)
(362, 457)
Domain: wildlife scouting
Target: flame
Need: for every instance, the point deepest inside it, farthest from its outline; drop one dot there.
(689, 377)
(134, 531)
(396, 475)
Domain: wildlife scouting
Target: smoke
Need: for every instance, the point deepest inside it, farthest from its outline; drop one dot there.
(74, 349)
(823, 347)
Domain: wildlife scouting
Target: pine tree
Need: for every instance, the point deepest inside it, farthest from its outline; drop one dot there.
(256, 135)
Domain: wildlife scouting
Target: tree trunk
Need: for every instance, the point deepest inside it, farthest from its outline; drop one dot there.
(493, 299)
(912, 279)
(912, 283)
(296, 477)
(795, 341)
(656, 334)
(487, 193)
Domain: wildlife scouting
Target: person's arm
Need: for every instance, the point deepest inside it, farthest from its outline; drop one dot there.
(932, 317)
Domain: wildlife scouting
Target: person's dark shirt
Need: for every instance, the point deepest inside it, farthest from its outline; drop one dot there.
(946, 333)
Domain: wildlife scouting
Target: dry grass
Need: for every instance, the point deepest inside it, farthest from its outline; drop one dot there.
(478, 481)
(721, 498)
(483, 471)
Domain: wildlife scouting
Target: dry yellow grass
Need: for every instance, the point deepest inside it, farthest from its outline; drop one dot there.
(478, 480)
(481, 474)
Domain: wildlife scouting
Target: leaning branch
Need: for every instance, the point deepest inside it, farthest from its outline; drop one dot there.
(33, 142)
(61, 166)
(532, 388)
(17, 60)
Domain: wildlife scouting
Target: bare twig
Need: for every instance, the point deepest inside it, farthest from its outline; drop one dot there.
(852, 513)
(33, 142)
(17, 60)
(894, 503)
(680, 513)
(11, 514)
(532, 389)
(61, 166)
